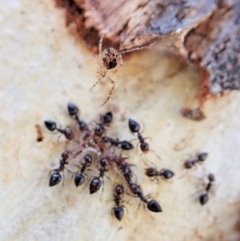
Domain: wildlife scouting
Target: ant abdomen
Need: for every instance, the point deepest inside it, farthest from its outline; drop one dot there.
(133, 126)
(50, 125)
(95, 184)
(203, 198)
(72, 109)
(167, 174)
(202, 156)
(154, 206)
(126, 145)
(55, 178)
(79, 179)
(118, 212)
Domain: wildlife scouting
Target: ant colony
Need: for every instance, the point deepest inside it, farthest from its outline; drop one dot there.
(92, 147)
(89, 147)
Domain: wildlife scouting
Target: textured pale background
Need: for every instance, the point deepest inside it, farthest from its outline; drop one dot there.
(42, 68)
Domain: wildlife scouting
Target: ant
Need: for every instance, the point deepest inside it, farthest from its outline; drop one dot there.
(135, 128)
(96, 182)
(73, 111)
(79, 177)
(124, 145)
(200, 158)
(106, 120)
(118, 209)
(152, 205)
(125, 168)
(204, 197)
(165, 173)
(52, 126)
(55, 176)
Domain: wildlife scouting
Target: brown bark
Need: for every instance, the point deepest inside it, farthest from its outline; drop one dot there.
(206, 32)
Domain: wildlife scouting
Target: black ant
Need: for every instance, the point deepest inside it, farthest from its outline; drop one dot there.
(73, 111)
(135, 128)
(52, 126)
(125, 169)
(204, 197)
(118, 209)
(55, 177)
(80, 177)
(124, 145)
(106, 120)
(165, 173)
(96, 182)
(200, 158)
(152, 205)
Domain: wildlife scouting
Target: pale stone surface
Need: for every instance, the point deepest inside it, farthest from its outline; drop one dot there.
(42, 68)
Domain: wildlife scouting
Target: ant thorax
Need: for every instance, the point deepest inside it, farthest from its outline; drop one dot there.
(110, 58)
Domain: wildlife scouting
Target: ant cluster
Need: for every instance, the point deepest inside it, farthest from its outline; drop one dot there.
(200, 158)
(92, 147)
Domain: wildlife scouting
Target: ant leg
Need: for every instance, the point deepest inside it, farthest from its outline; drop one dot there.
(156, 154)
(144, 161)
(155, 179)
(186, 172)
(110, 93)
(63, 178)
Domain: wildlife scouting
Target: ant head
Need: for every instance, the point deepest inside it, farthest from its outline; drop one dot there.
(95, 185)
(150, 172)
(133, 126)
(202, 156)
(154, 206)
(109, 58)
(104, 162)
(83, 126)
(188, 164)
(144, 147)
(126, 145)
(211, 177)
(65, 155)
(119, 189)
(55, 178)
(72, 109)
(203, 198)
(118, 212)
(88, 159)
(50, 125)
(99, 130)
(68, 133)
(105, 139)
(79, 179)
(107, 118)
(168, 174)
